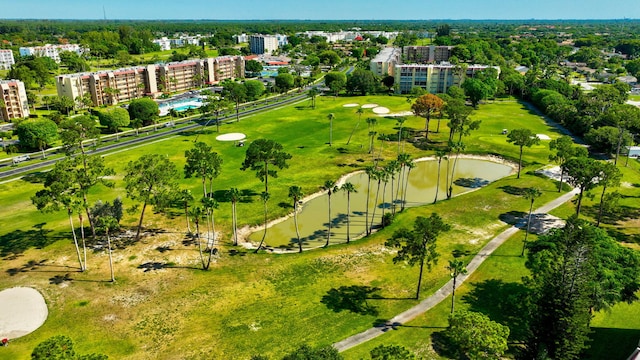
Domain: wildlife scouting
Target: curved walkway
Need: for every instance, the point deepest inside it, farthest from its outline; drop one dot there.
(446, 290)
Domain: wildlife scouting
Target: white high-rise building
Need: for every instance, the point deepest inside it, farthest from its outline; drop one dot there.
(263, 44)
(52, 51)
(6, 59)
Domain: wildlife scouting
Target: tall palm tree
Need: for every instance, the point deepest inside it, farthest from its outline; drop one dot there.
(409, 164)
(440, 155)
(210, 204)
(108, 223)
(185, 197)
(359, 112)
(312, 93)
(530, 194)
(234, 196)
(331, 117)
(370, 171)
(348, 188)
(393, 167)
(458, 147)
(265, 199)
(456, 267)
(295, 193)
(372, 136)
(379, 175)
(197, 214)
(400, 122)
(330, 186)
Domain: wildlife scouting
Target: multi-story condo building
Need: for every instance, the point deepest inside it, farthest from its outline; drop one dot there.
(261, 44)
(435, 78)
(52, 51)
(6, 59)
(426, 54)
(13, 100)
(385, 61)
(112, 86)
(164, 43)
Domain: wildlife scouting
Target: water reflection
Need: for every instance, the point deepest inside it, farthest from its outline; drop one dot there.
(421, 190)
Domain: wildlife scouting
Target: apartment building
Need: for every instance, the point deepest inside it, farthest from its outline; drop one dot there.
(14, 104)
(6, 59)
(261, 44)
(164, 43)
(435, 78)
(426, 54)
(52, 51)
(113, 86)
(385, 61)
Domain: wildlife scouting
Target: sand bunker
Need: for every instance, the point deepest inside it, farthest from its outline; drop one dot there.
(22, 311)
(381, 110)
(350, 105)
(369, 106)
(543, 137)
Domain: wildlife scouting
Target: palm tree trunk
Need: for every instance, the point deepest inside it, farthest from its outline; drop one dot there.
(375, 204)
(329, 232)
(447, 180)
(437, 181)
(348, 216)
(520, 162)
(419, 280)
(197, 221)
(366, 211)
(295, 221)
(561, 178)
(524, 242)
(406, 186)
(453, 293)
(234, 221)
(264, 234)
(398, 185)
(113, 277)
(140, 222)
(84, 245)
(75, 239)
(213, 240)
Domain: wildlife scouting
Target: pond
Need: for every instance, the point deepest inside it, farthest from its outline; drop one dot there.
(313, 218)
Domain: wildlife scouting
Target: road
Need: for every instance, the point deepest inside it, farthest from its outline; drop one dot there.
(152, 136)
(446, 290)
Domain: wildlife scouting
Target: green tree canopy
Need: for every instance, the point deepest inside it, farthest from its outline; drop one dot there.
(144, 109)
(37, 133)
(476, 336)
(114, 119)
(263, 156)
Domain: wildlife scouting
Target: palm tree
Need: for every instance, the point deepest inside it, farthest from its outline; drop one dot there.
(185, 197)
(440, 155)
(234, 196)
(359, 112)
(370, 171)
(393, 167)
(456, 267)
(295, 193)
(372, 136)
(379, 175)
(197, 214)
(458, 147)
(331, 117)
(400, 121)
(330, 186)
(530, 194)
(348, 188)
(210, 204)
(108, 223)
(312, 93)
(408, 164)
(265, 199)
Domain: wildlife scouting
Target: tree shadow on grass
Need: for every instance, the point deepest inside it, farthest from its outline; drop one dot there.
(513, 217)
(35, 178)
(444, 346)
(609, 343)
(622, 213)
(352, 298)
(18, 241)
(472, 183)
(513, 190)
(505, 303)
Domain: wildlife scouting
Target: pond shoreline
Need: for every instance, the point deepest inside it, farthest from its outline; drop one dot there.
(246, 231)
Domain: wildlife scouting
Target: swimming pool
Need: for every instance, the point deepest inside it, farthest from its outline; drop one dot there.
(180, 105)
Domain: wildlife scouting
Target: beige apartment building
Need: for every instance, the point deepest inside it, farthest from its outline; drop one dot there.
(13, 100)
(426, 54)
(435, 78)
(113, 86)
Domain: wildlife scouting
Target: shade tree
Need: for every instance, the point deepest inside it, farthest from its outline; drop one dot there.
(265, 156)
(521, 138)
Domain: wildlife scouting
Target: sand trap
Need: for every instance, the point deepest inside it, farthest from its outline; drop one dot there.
(350, 105)
(22, 311)
(231, 137)
(543, 137)
(381, 110)
(369, 106)
(402, 113)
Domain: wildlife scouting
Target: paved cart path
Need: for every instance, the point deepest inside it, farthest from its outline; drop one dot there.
(446, 290)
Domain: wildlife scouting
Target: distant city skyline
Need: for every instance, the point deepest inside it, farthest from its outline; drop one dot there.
(321, 10)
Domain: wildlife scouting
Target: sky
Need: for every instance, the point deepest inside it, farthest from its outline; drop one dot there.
(320, 10)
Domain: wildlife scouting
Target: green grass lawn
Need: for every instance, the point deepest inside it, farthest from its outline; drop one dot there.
(163, 307)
